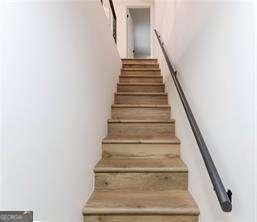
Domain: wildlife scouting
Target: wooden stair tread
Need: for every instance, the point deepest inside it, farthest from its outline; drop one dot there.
(140, 121)
(138, 59)
(140, 64)
(141, 202)
(145, 140)
(140, 76)
(140, 84)
(141, 69)
(139, 106)
(141, 93)
(141, 165)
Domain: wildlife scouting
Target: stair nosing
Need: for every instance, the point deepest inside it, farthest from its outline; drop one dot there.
(140, 69)
(140, 84)
(140, 76)
(181, 169)
(140, 211)
(141, 64)
(130, 141)
(139, 106)
(139, 141)
(140, 59)
(141, 93)
(140, 121)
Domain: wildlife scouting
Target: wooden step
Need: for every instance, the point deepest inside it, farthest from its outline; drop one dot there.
(140, 165)
(140, 71)
(141, 87)
(140, 79)
(142, 61)
(140, 218)
(141, 98)
(161, 112)
(143, 128)
(140, 174)
(140, 65)
(162, 147)
(139, 206)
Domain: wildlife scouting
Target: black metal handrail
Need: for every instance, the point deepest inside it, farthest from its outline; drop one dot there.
(224, 197)
(114, 21)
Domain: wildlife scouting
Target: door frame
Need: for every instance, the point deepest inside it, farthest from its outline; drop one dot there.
(127, 34)
(146, 5)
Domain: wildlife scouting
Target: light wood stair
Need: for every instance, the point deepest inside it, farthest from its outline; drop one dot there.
(129, 111)
(140, 63)
(140, 78)
(141, 176)
(142, 128)
(141, 71)
(141, 87)
(163, 147)
(140, 98)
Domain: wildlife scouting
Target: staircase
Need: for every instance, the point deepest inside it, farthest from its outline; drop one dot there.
(141, 176)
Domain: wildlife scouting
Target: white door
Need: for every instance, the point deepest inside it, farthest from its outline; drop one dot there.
(130, 36)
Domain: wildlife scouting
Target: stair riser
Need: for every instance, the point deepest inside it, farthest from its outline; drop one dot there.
(145, 65)
(138, 88)
(155, 181)
(140, 218)
(129, 79)
(140, 150)
(141, 129)
(140, 72)
(141, 113)
(141, 99)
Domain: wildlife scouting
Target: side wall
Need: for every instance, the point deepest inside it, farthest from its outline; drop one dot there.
(212, 46)
(255, 103)
(1, 100)
(61, 67)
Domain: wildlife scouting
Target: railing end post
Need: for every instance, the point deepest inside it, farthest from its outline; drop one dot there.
(229, 193)
(226, 206)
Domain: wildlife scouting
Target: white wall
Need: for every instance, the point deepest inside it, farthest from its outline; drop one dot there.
(212, 46)
(141, 32)
(255, 112)
(121, 11)
(61, 66)
(1, 99)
